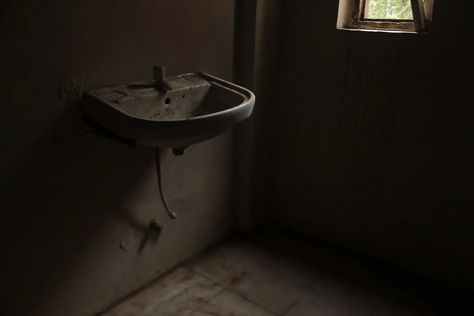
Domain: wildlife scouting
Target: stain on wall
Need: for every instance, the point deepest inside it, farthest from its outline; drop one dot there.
(374, 138)
(76, 206)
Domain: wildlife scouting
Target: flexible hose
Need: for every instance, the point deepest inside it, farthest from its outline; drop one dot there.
(159, 172)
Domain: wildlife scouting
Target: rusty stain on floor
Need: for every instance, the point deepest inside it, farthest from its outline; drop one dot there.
(277, 276)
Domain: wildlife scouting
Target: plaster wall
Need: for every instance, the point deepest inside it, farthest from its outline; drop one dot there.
(254, 169)
(75, 206)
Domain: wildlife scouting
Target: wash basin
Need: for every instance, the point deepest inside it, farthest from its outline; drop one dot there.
(170, 112)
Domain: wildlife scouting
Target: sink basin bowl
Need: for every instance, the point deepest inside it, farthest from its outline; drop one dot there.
(170, 113)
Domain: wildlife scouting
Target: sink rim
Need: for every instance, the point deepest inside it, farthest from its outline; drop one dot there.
(247, 95)
(168, 133)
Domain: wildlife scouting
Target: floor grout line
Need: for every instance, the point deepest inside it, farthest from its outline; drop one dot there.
(208, 301)
(229, 289)
(208, 278)
(251, 301)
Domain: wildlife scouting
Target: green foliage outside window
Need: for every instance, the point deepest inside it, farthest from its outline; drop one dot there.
(389, 10)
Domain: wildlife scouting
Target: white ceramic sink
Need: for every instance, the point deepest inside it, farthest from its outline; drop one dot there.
(171, 112)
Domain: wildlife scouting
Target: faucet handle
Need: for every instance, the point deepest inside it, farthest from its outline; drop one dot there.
(159, 74)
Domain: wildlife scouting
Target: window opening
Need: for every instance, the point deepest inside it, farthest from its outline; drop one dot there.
(410, 16)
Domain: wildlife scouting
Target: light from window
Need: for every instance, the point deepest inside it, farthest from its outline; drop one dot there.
(388, 10)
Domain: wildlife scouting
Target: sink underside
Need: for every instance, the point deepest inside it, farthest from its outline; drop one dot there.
(178, 112)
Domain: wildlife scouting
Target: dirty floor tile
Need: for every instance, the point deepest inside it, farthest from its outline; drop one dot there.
(287, 278)
(335, 297)
(180, 293)
(227, 265)
(275, 283)
(227, 303)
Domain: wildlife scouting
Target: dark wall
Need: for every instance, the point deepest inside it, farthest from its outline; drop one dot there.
(258, 71)
(75, 206)
(374, 138)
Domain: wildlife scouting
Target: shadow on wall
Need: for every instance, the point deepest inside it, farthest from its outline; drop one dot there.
(59, 198)
(386, 139)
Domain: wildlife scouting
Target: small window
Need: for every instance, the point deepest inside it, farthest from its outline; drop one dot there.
(409, 16)
(394, 10)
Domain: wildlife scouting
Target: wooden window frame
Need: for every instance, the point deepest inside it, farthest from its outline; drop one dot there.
(417, 25)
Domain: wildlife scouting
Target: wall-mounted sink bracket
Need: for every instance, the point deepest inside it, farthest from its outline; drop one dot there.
(169, 112)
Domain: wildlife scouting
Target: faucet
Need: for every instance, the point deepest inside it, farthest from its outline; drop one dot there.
(159, 74)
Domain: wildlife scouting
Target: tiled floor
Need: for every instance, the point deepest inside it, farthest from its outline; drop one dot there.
(275, 275)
